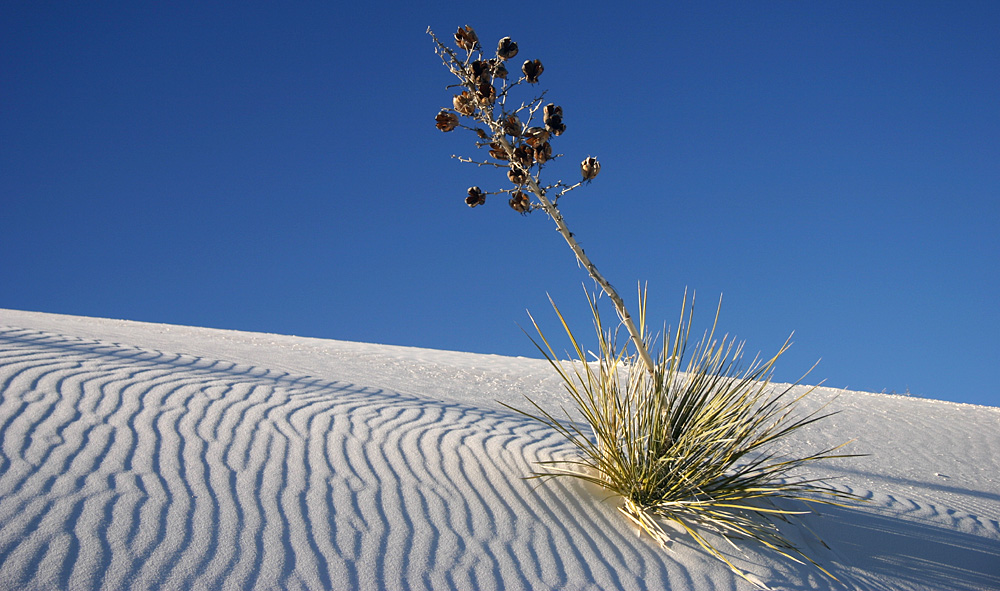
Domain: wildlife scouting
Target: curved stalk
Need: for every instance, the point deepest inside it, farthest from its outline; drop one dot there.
(553, 212)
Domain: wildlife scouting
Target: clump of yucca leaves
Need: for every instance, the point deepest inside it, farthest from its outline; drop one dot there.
(690, 444)
(683, 444)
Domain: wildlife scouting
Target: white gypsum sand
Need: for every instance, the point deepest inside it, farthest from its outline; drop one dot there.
(148, 456)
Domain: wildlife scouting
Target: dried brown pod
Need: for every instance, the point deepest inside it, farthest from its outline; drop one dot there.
(517, 175)
(482, 133)
(476, 197)
(520, 202)
(589, 168)
(467, 39)
(497, 151)
(465, 103)
(535, 136)
(506, 49)
(553, 119)
(532, 70)
(499, 70)
(512, 125)
(524, 156)
(446, 120)
(543, 152)
(551, 110)
(481, 71)
(486, 94)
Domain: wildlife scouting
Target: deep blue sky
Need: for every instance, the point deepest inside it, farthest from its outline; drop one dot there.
(832, 168)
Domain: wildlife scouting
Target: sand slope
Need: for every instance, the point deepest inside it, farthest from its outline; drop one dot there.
(142, 456)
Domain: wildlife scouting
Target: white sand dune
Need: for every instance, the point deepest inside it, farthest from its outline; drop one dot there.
(143, 456)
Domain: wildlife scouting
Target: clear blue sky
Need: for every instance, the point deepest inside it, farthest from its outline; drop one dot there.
(832, 168)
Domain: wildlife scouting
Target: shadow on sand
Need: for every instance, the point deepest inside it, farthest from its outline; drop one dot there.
(877, 549)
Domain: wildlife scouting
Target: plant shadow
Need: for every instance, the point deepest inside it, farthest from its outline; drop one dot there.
(877, 549)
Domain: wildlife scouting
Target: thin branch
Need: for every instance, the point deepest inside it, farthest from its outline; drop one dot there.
(467, 160)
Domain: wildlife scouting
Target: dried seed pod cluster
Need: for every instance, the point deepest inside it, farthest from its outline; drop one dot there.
(512, 125)
(506, 49)
(466, 38)
(516, 137)
(524, 156)
(520, 203)
(532, 70)
(589, 168)
(553, 119)
(464, 103)
(476, 197)
(446, 120)
(517, 175)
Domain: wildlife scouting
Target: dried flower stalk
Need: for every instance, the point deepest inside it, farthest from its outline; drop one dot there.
(519, 139)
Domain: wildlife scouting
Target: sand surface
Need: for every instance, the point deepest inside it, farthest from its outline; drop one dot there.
(147, 456)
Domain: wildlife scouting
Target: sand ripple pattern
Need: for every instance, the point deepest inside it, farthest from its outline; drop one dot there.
(133, 468)
(124, 468)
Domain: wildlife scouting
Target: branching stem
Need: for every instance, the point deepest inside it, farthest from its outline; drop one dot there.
(498, 135)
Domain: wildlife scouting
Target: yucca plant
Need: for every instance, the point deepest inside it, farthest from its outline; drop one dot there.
(690, 445)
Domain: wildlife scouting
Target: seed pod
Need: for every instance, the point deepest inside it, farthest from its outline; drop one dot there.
(481, 71)
(512, 125)
(543, 152)
(517, 175)
(523, 155)
(520, 203)
(446, 120)
(467, 39)
(464, 103)
(482, 133)
(551, 110)
(535, 136)
(476, 197)
(506, 49)
(486, 94)
(499, 70)
(553, 119)
(532, 70)
(497, 151)
(589, 168)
